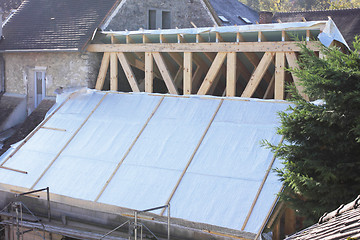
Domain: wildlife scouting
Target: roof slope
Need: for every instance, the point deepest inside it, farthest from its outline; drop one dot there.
(140, 151)
(343, 223)
(54, 25)
(234, 11)
(346, 20)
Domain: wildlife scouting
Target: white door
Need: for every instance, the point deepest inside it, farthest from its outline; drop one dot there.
(40, 87)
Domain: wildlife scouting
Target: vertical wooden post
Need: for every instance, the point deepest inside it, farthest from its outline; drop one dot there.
(188, 68)
(102, 72)
(113, 72)
(290, 222)
(149, 72)
(279, 76)
(231, 74)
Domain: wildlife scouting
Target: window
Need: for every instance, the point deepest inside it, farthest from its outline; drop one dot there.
(159, 19)
(40, 87)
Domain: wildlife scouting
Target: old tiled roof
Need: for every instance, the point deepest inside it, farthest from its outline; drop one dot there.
(343, 223)
(234, 11)
(54, 24)
(347, 20)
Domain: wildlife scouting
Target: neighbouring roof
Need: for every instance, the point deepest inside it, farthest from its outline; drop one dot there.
(342, 223)
(54, 25)
(235, 12)
(346, 20)
(29, 124)
(201, 153)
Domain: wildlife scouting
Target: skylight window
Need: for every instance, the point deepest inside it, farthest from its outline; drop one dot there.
(245, 20)
(223, 19)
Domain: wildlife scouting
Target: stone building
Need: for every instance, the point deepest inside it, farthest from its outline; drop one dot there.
(44, 42)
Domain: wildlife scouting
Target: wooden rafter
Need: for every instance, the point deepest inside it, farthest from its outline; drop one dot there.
(149, 72)
(292, 61)
(279, 91)
(113, 72)
(258, 74)
(270, 89)
(231, 75)
(188, 69)
(102, 72)
(128, 72)
(165, 73)
(212, 73)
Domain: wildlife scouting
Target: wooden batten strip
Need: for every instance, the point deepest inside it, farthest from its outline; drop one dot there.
(113, 72)
(102, 72)
(188, 69)
(231, 75)
(165, 73)
(55, 129)
(258, 74)
(292, 61)
(149, 72)
(68, 142)
(212, 73)
(36, 129)
(260, 188)
(128, 72)
(279, 91)
(13, 169)
(192, 156)
(129, 149)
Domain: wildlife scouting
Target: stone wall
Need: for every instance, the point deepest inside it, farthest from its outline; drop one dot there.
(66, 70)
(134, 14)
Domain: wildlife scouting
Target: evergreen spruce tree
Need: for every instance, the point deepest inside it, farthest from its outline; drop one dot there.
(321, 147)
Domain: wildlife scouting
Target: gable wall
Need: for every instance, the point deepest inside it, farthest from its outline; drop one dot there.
(134, 14)
(62, 70)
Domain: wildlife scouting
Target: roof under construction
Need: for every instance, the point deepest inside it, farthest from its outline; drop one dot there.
(201, 154)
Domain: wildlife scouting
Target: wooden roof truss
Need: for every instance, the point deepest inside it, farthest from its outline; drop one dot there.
(250, 64)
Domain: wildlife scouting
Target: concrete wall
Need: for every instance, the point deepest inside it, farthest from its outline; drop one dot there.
(134, 14)
(72, 69)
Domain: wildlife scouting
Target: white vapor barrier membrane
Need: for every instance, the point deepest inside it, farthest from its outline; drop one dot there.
(92, 133)
(101, 143)
(161, 153)
(226, 173)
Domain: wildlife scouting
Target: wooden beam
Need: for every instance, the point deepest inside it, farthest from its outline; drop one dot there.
(205, 47)
(231, 74)
(145, 39)
(284, 36)
(128, 72)
(258, 74)
(292, 61)
(188, 69)
(219, 37)
(181, 39)
(199, 38)
(212, 73)
(102, 72)
(149, 72)
(113, 72)
(261, 37)
(165, 73)
(279, 92)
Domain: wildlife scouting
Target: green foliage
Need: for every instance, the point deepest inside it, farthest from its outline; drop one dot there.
(321, 148)
(299, 5)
